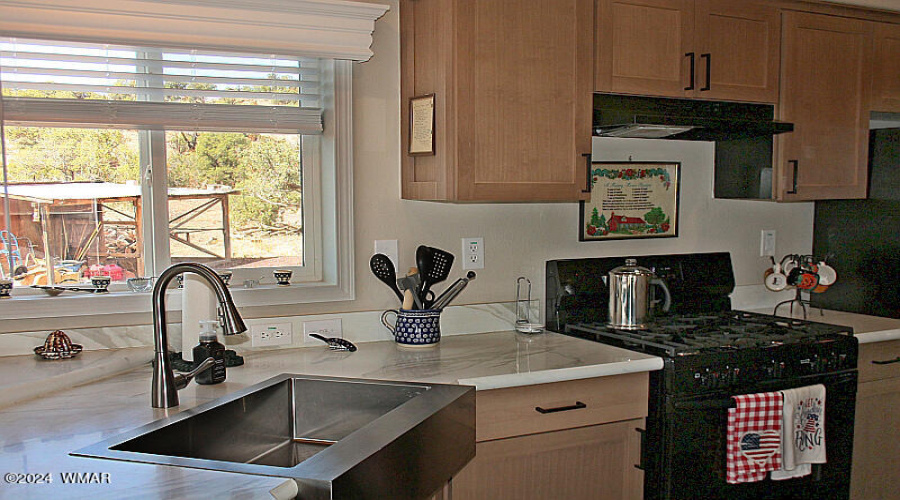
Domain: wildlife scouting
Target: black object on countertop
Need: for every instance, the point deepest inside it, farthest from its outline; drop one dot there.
(210, 347)
(335, 343)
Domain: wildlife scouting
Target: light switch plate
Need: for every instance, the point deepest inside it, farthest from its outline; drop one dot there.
(767, 243)
(389, 248)
(324, 327)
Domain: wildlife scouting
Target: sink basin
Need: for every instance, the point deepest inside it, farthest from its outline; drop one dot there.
(337, 437)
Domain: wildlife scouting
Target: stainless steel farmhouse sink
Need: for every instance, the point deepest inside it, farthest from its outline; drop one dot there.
(337, 437)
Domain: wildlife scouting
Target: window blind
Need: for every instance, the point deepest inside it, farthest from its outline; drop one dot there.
(101, 85)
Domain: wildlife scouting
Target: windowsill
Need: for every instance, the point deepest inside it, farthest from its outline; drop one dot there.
(120, 303)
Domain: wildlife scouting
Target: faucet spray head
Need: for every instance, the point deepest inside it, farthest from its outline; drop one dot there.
(232, 324)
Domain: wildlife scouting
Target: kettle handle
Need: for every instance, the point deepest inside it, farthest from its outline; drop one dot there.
(667, 303)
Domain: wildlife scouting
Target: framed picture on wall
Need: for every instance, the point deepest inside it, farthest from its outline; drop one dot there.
(631, 200)
(421, 125)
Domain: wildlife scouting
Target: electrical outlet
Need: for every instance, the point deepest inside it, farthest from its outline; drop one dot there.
(473, 253)
(325, 328)
(767, 243)
(389, 248)
(269, 334)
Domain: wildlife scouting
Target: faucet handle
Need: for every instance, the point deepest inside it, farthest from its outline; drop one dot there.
(183, 379)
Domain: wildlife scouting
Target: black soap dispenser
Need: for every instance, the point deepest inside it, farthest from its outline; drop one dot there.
(209, 347)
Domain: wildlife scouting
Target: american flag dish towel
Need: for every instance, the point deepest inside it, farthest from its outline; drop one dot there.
(754, 437)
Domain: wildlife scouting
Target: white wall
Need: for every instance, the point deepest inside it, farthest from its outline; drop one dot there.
(519, 238)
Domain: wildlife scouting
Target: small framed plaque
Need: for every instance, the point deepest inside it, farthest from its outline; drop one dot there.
(421, 125)
(631, 200)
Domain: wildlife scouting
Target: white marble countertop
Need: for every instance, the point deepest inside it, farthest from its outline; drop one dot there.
(37, 435)
(866, 328)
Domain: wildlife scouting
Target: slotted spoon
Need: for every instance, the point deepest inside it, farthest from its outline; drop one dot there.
(383, 269)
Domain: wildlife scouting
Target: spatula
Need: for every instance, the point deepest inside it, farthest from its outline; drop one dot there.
(438, 263)
(383, 269)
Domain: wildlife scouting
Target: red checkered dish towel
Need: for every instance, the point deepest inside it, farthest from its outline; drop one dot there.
(754, 437)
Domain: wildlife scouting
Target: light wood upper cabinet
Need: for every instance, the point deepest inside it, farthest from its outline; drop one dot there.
(640, 46)
(512, 86)
(886, 74)
(740, 50)
(825, 92)
(708, 49)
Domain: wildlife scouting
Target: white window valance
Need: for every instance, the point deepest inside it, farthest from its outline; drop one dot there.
(52, 83)
(313, 28)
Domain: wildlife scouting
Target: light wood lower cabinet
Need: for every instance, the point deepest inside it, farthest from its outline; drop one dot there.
(876, 440)
(595, 462)
(581, 444)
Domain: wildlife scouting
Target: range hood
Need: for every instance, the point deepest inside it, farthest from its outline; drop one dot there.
(683, 119)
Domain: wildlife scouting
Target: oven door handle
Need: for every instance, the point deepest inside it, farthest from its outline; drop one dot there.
(707, 404)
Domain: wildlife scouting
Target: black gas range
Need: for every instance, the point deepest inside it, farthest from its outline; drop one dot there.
(712, 352)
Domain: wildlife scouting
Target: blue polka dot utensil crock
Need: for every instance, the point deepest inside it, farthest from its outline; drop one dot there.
(414, 328)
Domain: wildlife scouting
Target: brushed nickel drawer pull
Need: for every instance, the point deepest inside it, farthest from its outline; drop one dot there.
(890, 361)
(576, 406)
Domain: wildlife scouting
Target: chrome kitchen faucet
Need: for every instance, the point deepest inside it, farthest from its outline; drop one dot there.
(165, 385)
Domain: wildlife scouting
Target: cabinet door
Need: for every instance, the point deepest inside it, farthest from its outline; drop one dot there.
(825, 92)
(426, 67)
(523, 102)
(644, 47)
(886, 74)
(739, 50)
(591, 463)
(876, 441)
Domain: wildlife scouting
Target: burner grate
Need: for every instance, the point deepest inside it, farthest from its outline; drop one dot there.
(728, 331)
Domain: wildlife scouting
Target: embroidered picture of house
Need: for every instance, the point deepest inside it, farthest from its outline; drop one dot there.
(630, 200)
(622, 223)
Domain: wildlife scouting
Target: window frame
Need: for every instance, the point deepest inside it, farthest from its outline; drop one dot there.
(329, 263)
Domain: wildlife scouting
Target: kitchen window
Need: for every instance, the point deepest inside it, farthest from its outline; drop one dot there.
(120, 160)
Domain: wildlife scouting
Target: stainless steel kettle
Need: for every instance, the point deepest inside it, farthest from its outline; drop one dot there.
(629, 296)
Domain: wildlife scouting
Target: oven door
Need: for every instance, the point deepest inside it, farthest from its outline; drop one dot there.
(692, 462)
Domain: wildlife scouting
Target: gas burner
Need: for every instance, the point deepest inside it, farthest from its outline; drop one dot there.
(725, 332)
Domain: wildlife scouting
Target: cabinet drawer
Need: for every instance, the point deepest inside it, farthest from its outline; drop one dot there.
(872, 358)
(502, 413)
